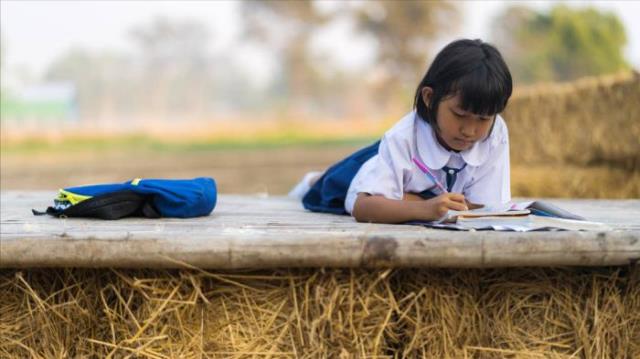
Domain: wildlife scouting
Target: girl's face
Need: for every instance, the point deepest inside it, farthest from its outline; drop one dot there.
(459, 129)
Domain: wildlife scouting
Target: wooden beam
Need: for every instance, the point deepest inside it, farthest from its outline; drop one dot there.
(254, 232)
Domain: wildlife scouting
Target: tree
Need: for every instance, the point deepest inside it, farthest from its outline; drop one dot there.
(102, 80)
(171, 74)
(285, 28)
(561, 45)
(3, 50)
(175, 59)
(168, 72)
(404, 31)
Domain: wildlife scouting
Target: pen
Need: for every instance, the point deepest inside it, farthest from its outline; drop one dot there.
(426, 171)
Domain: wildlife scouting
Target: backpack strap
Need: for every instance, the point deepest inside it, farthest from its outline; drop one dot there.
(112, 205)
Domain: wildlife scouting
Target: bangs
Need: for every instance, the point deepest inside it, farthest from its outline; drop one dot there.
(482, 92)
(470, 69)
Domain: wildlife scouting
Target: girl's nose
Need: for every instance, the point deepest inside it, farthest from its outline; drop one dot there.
(468, 129)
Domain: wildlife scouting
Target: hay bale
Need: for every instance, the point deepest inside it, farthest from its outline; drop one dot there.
(342, 313)
(593, 121)
(570, 181)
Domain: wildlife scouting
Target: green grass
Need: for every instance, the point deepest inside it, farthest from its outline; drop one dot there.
(140, 142)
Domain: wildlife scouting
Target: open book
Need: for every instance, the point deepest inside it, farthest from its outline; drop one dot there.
(538, 208)
(522, 217)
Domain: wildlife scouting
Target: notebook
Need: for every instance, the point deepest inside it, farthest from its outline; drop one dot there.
(521, 217)
(538, 208)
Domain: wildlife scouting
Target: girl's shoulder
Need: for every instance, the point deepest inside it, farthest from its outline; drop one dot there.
(400, 137)
(500, 133)
(403, 129)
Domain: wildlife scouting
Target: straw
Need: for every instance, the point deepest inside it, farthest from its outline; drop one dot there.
(310, 313)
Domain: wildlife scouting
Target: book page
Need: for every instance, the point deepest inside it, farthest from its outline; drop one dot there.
(528, 223)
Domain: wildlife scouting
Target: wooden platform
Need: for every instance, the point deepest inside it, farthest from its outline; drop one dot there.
(265, 232)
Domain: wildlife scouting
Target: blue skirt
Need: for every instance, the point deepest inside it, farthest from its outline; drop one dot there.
(329, 192)
(327, 195)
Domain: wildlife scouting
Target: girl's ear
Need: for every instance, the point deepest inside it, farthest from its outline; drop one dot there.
(427, 92)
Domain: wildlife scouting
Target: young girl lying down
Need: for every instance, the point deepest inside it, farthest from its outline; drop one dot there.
(450, 153)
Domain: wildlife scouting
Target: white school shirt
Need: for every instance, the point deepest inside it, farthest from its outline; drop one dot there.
(390, 173)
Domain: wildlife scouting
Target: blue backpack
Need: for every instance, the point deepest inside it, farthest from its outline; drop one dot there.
(151, 198)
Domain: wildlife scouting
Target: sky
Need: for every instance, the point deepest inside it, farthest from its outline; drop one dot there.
(34, 33)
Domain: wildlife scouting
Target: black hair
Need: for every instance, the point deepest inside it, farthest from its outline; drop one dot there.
(471, 68)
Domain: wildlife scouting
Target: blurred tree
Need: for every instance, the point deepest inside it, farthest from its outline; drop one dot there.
(4, 89)
(102, 80)
(175, 63)
(170, 75)
(561, 45)
(285, 28)
(165, 43)
(3, 56)
(405, 31)
(3, 50)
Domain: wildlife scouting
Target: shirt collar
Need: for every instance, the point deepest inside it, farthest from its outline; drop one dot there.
(435, 156)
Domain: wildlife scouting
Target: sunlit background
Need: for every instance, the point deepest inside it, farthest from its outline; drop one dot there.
(255, 94)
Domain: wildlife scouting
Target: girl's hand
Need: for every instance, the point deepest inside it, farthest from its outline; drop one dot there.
(437, 207)
(410, 196)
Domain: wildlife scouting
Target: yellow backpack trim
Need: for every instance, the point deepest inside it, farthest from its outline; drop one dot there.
(73, 198)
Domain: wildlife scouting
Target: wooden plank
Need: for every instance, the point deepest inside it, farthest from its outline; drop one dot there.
(267, 232)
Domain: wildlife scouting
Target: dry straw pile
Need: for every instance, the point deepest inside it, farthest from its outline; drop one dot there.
(592, 121)
(309, 313)
(577, 139)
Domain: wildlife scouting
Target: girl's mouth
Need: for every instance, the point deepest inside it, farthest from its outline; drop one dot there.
(463, 142)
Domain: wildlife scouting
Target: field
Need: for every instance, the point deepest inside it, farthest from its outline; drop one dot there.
(273, 170)
(567, 140)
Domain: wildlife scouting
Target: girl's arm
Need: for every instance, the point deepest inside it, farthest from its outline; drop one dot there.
(379, 209)
(409, 196)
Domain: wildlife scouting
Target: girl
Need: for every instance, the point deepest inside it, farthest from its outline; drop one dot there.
(450, 153)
